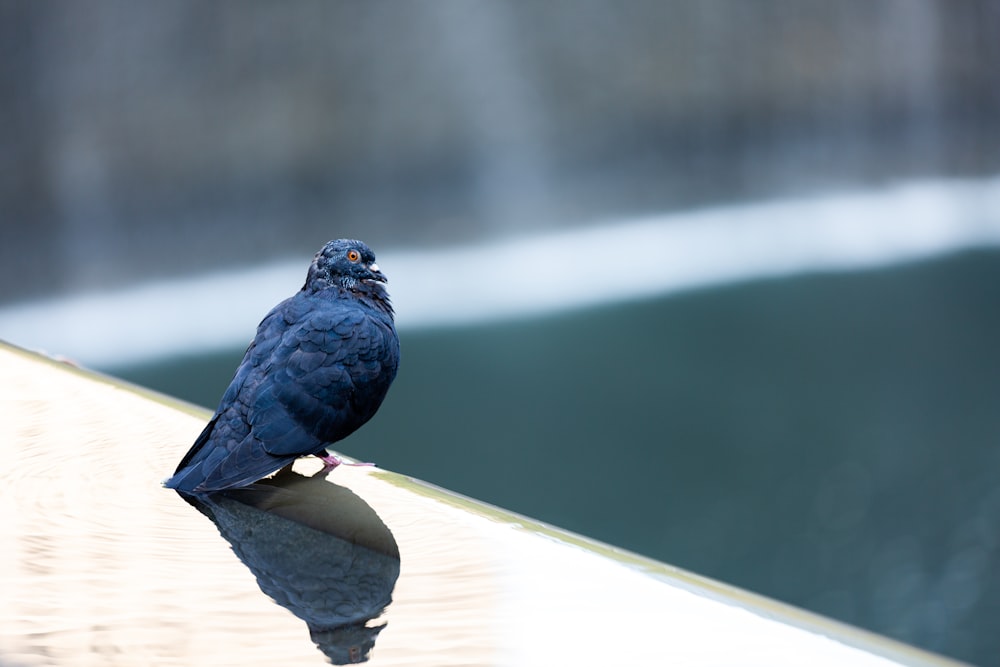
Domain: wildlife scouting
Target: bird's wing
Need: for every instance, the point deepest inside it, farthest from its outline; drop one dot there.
(327, 377)
(225, 454)
(226, 431)
(312, 375)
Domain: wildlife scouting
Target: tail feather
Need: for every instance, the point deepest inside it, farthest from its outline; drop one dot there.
(202, 477)
(209, 466)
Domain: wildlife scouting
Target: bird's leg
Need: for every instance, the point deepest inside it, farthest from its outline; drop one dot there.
(331, 461)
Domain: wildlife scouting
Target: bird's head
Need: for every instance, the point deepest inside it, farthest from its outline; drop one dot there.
(345, 263)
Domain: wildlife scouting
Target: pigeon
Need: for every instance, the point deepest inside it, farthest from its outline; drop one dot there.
(317, 370)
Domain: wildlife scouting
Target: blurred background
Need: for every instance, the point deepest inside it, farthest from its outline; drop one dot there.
(716, 282)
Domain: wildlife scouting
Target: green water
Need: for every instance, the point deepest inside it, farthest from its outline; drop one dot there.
(832, 440)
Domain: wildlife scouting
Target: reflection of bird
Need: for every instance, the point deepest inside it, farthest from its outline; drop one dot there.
(316, 549)
(318, 368)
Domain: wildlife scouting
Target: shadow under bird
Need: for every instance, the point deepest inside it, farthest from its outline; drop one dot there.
(317, 370)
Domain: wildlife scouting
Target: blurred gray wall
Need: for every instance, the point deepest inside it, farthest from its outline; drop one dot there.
(172, 137)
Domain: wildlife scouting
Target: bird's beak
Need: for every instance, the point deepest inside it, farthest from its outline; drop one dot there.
(376, 274)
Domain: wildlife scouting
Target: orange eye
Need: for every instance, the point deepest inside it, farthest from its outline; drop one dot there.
(353, 255)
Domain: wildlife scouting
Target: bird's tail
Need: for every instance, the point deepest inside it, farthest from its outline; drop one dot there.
(213, 466)
(229, 473)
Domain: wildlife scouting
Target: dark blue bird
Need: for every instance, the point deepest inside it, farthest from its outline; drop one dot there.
(318, 368)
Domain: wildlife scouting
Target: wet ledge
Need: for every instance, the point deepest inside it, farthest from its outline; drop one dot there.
(101, 565)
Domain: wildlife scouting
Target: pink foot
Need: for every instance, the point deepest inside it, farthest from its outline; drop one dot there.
(330, 462)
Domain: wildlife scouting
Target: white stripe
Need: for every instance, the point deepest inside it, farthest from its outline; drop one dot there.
(621, 259)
